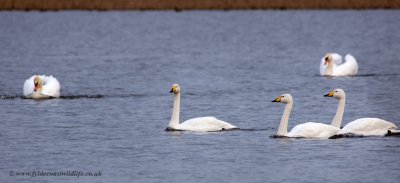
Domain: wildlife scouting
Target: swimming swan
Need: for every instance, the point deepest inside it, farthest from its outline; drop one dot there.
(204, 124)
(41, 87)
(305, 130)
(362, 126)
(331, 65)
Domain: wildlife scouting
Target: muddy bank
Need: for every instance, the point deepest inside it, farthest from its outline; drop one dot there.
(194, 4)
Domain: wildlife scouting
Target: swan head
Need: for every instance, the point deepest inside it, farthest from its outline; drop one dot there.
(285, 98)
(328, 58)
(337, 93)
(37, 81)
(175, 89)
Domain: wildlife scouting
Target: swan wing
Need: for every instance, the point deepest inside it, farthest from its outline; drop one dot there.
(368, 127)
(28, 86)
(349, 67)
(205, 124)
(337, 58)
(51, 86)
(313, 130)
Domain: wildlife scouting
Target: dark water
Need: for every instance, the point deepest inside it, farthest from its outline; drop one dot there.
(116, 70)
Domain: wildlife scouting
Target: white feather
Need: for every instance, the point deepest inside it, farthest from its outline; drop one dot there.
(313, 130)
(362, 126)
(348, 68)
(50, 88)
(368, 127)
(305, 130)
(205, 124)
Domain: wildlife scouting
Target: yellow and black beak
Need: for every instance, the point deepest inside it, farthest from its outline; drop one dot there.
(173, 89)
(330, 94)
(278, 99)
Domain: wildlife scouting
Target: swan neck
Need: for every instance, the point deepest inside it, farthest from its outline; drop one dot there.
(329, 68)
(174, 123)
(337, 120)
(282, 130)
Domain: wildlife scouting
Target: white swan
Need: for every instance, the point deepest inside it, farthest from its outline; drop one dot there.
(362, 126)
(331, 65)
(41, 87)
(305, 130)
(203, 124)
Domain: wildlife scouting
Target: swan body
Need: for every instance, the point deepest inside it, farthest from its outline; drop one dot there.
(362, 126)
(313, 130)
(369, 127)
(331, 65)
(305, 130)
(205, 124)
(41, 87)
(202, 124)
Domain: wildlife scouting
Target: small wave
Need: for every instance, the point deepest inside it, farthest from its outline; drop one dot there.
(360, 75)
(255, 129)
(352, 135)
(69, 97)
(284, 137)
(80, 96)
(10, 96)
(347, 135)
(377, 75)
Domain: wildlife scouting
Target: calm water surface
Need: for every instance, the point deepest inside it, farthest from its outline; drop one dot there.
(116, 70)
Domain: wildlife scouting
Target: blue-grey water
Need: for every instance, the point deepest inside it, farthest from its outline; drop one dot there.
(116, 70)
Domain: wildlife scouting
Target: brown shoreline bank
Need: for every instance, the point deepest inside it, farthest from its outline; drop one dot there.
(194, 4)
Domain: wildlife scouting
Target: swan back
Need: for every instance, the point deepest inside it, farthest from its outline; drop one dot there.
(349, 68)
(368, 127)
(313, 130)
(51, 86)
(205, 124)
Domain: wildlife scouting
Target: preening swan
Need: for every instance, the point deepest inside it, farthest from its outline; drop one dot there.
(362, 126)
(204, 124)
(331, 65)
(305, 130)
(41, 87)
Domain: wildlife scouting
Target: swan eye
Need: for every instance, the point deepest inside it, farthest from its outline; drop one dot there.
(283, 96)
(326, 58)
(335, 91)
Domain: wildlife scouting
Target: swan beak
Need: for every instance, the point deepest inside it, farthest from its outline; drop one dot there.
(330, 94)
(278, 99)
(173, 89)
